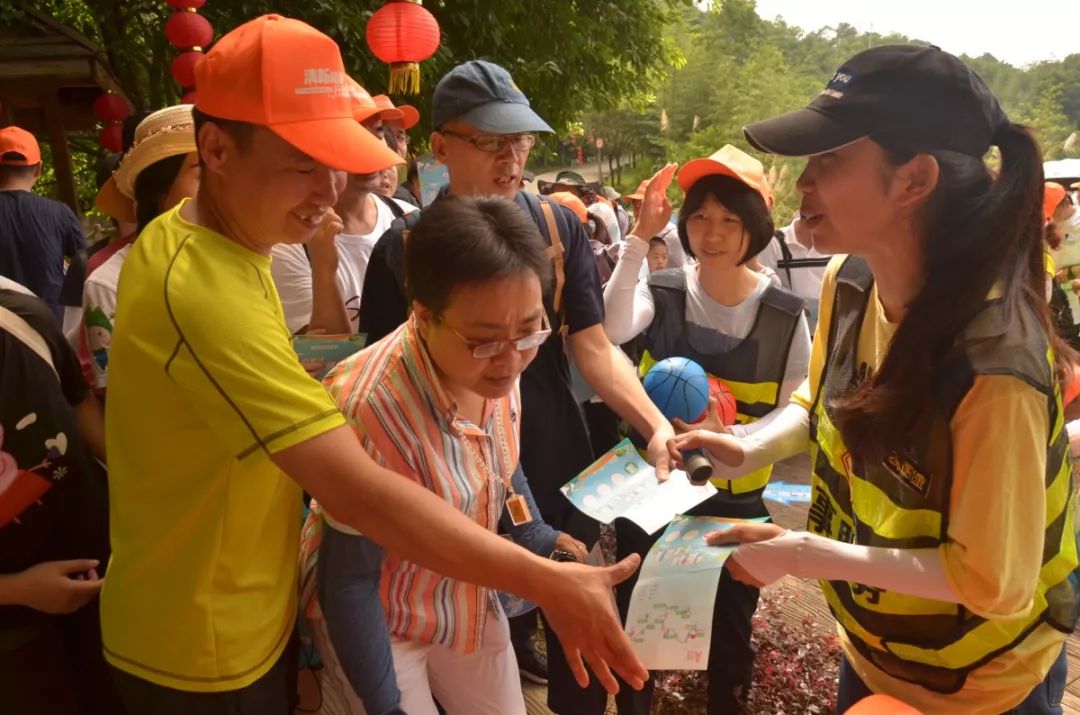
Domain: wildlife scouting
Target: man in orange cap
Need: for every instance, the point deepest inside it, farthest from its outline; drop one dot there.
(36, 233)
(1053, 194)
(213, 427)
(1067, 218)
(399, 120)
(312, 299)
(1063, 227)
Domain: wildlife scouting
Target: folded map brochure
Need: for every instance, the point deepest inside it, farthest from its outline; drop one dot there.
(622, 484)
(328, 349)
(669, 621)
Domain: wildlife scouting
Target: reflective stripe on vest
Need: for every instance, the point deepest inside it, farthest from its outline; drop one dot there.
(903, 501)
(753, 367)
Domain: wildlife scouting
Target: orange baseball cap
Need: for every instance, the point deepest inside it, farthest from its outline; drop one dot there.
(728, 161)
(19, 141)
(1053, 193)
(287, 76)
(408, 114)
(362, 103)
(573, 203)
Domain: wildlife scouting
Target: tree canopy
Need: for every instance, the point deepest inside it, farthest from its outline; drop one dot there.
(738, 67)
(656, 79)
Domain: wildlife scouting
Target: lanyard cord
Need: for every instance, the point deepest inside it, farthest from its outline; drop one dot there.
(480, 461)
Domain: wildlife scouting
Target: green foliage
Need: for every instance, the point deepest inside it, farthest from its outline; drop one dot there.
(740, 68)
(568, 57)
(84, 157)
(658, 80)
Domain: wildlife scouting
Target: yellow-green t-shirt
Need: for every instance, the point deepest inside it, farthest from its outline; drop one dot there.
(200, 594)
(997, 518)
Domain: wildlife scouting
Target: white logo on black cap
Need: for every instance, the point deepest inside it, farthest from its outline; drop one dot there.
(840, 82)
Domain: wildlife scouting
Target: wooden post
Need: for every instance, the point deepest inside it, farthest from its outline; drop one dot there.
(65, 177)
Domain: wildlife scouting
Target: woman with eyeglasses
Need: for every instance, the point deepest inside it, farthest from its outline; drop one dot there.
(438, 400)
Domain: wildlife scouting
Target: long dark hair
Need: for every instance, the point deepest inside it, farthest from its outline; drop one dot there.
(151, 186)
(979, 229)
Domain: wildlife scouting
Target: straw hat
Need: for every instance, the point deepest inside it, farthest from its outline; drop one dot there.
(165, 133)
(638, 195)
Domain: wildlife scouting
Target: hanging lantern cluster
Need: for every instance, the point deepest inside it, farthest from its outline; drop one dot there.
(112, 109)
(189, 32)
(403, 34)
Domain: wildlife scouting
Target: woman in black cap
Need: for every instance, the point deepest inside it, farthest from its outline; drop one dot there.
(941, 524)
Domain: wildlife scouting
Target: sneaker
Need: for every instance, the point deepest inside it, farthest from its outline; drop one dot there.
(533, 666)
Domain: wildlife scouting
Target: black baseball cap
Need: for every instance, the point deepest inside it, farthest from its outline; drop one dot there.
(571, 178)
(914, 97)
(483, 95)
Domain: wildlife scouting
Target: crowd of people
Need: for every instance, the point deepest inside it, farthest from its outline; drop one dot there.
(182, 500)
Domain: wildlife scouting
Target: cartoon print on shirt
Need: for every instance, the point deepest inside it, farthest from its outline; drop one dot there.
(22, 488)
(98, 335)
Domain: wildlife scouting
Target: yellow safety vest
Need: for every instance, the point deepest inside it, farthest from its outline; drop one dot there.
(903, 500)
(752, 367)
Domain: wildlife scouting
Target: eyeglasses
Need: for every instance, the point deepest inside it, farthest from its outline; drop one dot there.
(494, 143)
(485, 351)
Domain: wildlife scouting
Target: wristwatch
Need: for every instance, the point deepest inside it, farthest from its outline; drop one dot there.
(562, 555)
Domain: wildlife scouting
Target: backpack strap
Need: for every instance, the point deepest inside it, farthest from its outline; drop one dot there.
(556, 252)
(785, 261)
(29, 337)
(394, 207)
(788, 261)
(396, 249)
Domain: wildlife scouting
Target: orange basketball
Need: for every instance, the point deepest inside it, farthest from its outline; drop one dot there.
(881, 705)
(725, 400)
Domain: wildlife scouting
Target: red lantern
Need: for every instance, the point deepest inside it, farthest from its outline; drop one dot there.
(188, 98)
(112, 136)
(183, 68)
(110, 107)
(188, 29)
(185, 4)
(403, 34)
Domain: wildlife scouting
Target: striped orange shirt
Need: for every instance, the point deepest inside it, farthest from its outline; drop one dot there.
(391, 395)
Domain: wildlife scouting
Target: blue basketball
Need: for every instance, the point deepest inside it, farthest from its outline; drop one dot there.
(679, 387)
